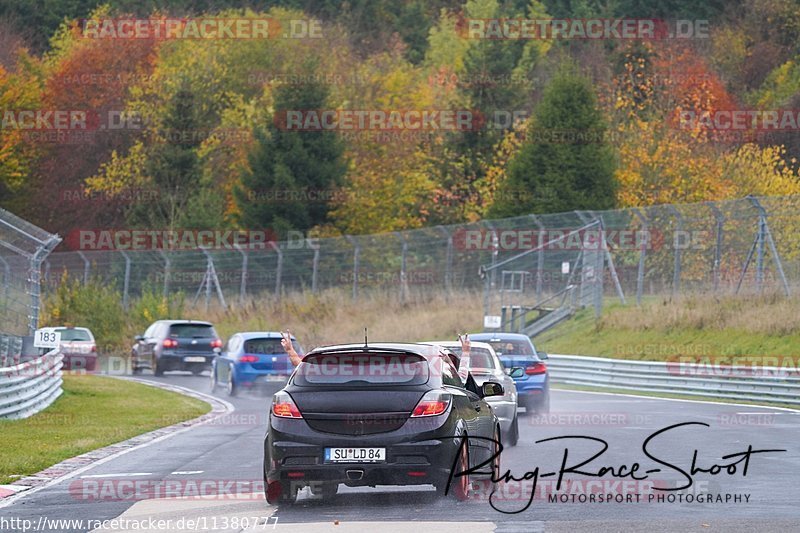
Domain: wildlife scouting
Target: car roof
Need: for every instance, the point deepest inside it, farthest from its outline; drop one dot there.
(187, 321)
(500, 336)
(425, 350)
(262, 334)
(456, 344)
(69, 327)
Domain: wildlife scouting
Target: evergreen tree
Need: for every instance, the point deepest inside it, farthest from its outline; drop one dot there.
(172, 164)
(566, 162)
(290, 172)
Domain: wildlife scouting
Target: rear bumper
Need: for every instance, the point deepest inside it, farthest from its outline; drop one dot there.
(80, 361)
(178, 361)
(412, 458)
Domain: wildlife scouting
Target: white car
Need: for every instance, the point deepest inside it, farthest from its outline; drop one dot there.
(486, 366)
(78, 346)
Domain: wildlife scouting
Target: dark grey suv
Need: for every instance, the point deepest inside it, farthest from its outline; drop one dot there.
(176, 345)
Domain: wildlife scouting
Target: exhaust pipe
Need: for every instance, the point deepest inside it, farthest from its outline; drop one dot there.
(355, 475)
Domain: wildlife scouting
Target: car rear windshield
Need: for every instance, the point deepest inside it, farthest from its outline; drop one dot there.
(362, 370)
(512, 348)
(479, 359)
(266, 346)
(68, 334)
(196, 331)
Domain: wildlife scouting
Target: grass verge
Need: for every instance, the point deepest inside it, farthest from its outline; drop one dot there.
(701, 327)
(93, 412)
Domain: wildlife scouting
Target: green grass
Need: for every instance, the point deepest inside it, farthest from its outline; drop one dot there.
(661, 329)
(93, 412)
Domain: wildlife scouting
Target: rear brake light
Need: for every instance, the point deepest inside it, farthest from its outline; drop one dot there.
(216, 343)
(432, 403)
(93, 349)
(248, 358)
(537, 368)
(170, 343)
(284, 407)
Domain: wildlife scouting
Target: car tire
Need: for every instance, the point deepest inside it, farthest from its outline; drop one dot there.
(279, 492)
(158, 368)
(214, 381)
(513, 437)
(461, 485)
(231, 385)
(544, 406)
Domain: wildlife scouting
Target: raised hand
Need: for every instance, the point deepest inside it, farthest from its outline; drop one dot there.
(286, 342)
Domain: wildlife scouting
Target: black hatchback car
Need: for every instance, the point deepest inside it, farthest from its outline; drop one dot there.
(176, 345)
(383, 414)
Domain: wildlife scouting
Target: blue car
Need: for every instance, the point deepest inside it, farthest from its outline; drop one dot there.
(525, 365)
(252, 360)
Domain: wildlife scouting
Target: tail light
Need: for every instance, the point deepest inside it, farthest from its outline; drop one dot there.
(170, 343)
(216, 343)
(284, 407)
(248, 358)
(536, 368)
(432, 403)
(93, 349)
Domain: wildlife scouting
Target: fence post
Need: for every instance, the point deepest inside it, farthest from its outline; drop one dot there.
(676, 269)
(539, 258)
(314, 268)
(86, 267)
(6, 281)
(403, 267)
(642, 254)
(448, 261)
(243, 285)
(35, 278)
(167, 265)
(126, 282)
(720, 227)
(356, 253)
(279, 268)
(766, 235)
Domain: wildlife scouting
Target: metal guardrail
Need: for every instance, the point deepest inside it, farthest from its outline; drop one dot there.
(762, 384)
(29, 387)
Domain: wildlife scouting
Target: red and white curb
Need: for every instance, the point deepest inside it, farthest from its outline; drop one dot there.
(76, 465)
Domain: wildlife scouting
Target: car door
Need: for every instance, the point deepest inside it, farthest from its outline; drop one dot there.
(144, 347)
(472, 410)
(227, 358)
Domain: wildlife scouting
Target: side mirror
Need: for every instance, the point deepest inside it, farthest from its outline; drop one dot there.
(139, 338)
(542, 355)
(516, 372)
(490, 388)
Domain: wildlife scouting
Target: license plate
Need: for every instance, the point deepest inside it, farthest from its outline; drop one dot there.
(275, 378)
(355, 455)
(193, 359)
